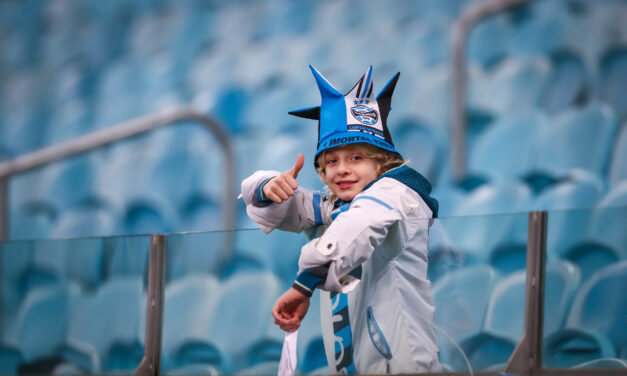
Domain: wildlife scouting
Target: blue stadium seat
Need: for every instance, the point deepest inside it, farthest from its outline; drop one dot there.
(488, 40)
(478, 236)
(422, 146)
(613, 79)
(107, 343)
(568, 84)
(194, 253)
(444, 257)
(578, 139)
(43, 320)
(461, 298)
(595, 325)
(519, 83)
(71, 183)
(190, 305)
(504, 317)
(243, 317)
(567, 202)
(618, 166)
(509, 147)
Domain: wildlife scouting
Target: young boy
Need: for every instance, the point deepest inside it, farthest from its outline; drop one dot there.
(370, 237)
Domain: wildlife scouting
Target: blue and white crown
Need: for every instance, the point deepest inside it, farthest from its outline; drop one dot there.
(352, 118)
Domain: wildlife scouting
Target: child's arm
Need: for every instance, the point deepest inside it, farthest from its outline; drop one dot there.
(274, 200)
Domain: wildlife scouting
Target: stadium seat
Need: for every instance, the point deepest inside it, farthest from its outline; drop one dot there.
(488, 39)
(190, 305)
(519, 82)
(618, 166)
(613, 66)
(43, 320)
(422, 146)
(578, 139)
(568, 203)
(504, 317)
(107, 343)
(240, 325)
(568, 84)
(194, 253)
(508, 148)
(461, 298)
(486, 230)
(594, 328)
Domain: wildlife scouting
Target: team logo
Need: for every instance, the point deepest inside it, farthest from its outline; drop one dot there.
(365, 114)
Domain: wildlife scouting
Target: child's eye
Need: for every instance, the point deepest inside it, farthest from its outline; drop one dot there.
(357, 157)
(331, 160)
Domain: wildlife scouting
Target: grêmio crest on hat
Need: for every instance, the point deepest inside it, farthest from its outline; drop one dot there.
(357, 117)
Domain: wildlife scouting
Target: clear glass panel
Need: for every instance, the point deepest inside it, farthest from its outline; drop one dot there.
(477, 266)
(73, 306)
(586, 279)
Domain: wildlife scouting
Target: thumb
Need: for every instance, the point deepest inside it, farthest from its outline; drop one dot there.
(300, 162)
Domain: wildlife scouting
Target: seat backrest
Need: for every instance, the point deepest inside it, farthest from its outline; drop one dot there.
(601, 304)
(461, 298)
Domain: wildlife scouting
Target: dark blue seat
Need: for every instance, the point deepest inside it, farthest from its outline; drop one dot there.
(613, 66)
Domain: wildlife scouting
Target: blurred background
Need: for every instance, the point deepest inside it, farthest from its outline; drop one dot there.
(545, 111)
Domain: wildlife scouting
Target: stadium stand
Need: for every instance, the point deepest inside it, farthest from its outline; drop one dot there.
(547, 130)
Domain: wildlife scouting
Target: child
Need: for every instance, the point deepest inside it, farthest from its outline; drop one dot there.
(369, 251)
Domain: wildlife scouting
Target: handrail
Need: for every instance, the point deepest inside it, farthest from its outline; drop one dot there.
(119, 132)
(459, 34)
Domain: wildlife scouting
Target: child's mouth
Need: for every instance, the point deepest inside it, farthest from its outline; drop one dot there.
(345, 184)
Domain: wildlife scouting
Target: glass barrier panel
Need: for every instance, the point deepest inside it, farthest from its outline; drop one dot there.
(477, 267)
(217, 319)
(73, 306)
(586, 279)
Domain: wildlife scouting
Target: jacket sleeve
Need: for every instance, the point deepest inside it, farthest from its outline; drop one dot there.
(301, 211)
(352, 237)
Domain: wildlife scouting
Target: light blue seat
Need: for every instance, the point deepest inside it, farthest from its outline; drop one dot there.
(422, 146)
(461, 298)
(504, 317)
(194, 253)
(607, 219)
(99, 343)
(444, 257)
(618, 166)
(568, 84)
(595, 325)
(578, 139)
(488, 40)
(43, 320)
(241, 325)
(71, 183)
(190, 305)
(509, 147)
(479, 235)
(614, 79)
(519, 82)
(567, 202)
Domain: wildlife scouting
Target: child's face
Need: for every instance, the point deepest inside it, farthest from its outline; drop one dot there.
(348, 170)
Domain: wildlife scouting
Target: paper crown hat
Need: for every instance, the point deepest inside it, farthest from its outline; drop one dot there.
(355, 117)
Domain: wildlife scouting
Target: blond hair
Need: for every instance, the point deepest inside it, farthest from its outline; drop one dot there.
(385, 160)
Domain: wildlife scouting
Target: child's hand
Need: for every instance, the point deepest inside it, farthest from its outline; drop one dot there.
(280, 188)
(289, 309)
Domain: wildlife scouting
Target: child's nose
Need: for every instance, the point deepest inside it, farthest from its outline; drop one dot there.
(342, 168)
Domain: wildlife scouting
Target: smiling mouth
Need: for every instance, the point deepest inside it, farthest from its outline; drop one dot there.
(345, 184)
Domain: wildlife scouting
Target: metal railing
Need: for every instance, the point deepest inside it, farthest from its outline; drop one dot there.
(459, 36)
(119, 132)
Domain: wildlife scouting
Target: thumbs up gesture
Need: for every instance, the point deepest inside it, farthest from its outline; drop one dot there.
(280, 188)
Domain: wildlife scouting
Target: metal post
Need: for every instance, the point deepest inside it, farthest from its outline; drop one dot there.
(4, 208)
(151, 362)
(527, 357)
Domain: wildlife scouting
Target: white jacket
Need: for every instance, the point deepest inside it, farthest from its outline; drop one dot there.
(385, 230)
